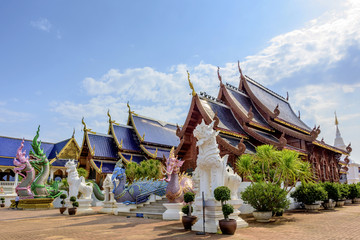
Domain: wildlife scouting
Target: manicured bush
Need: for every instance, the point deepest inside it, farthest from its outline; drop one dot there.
(2, 200)
(344, 189)
(309, 193)
(185, 210)
(188, 198)
(75, 204)
(333, 190)
(354, 191)
(265, 196)
(223, 194)
(72, 199)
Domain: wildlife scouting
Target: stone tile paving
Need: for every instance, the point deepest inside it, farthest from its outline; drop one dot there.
(343, 223)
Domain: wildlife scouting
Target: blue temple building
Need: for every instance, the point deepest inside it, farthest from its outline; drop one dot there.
(57, 153)
(140, 139)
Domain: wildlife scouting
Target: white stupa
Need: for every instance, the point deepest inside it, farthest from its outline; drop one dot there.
(352, 174)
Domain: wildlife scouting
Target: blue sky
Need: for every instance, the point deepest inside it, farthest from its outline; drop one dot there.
(61, 60)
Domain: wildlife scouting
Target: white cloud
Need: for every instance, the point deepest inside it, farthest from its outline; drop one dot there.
(7, 116)
(42, 24)
(349, 88)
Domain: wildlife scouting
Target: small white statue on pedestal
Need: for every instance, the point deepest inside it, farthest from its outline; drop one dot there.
(109, 201)
(77, 184)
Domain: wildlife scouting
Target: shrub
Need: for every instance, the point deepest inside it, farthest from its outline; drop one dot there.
(354, 191)
(344, 189)
(75, 204)
(309, 193)
(2, 200)
(223, 194)
(265, 196)
(333, 190)
(63, 196)
(185, 210)
(72, 199)
(188, 198)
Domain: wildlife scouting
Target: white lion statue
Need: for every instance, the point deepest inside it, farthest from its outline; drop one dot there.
(77, 184)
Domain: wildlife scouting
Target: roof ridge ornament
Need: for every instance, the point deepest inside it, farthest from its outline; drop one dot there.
(299, 114)
(73, 135)
(250, 114)
(287, 96)
(336, 120)
(108, 113)
(191, 85)
(242, 78)
(219, 77)
(348, 148)
(276, 111)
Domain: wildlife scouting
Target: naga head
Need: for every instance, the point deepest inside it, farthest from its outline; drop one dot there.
(118, 171)
(204, 132)
(38, 153)
(173, 165)
(20, 161)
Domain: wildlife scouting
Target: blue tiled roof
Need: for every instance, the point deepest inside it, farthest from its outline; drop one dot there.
(126, 134)
(160, 152)
(107, 167)
(271, 100)
(227, 119)
(266, 135)
(9, 146)
(156, 131)
(60, 162)
(6, 161)
(57, 148)
(135, 158)
(243, 103)
(104, 145)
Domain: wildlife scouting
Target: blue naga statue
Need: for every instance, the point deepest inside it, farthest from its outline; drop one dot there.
(137, 192)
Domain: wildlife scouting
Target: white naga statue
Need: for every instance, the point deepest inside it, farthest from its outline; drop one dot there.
(211, 168)
(77, 184)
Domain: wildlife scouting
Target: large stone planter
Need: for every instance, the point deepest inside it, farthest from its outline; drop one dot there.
(348, 201)
(262, 216)
(330, 205)
(312, 207)
(356, 200)
(340, 203)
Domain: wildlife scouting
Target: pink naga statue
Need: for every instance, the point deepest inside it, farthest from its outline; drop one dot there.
(178, 184)
(23, 166)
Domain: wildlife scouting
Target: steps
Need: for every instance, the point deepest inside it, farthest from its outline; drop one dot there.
(154, 210)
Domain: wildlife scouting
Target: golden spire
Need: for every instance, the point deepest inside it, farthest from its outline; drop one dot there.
(127, 104)
(108, 113)
(172, 153)
(83, 122)
(190, 84)
(336, 120)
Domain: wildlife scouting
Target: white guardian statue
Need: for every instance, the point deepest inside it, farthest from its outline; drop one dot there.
(77, 184)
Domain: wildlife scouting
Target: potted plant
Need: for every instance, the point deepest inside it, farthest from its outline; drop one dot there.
(265, 198)
(227, 226)
(354, 192)
(188, 220)
(62, 208)
(2, 202)
(344, 192)
(309, 194)
(334, 195)
(75, 204)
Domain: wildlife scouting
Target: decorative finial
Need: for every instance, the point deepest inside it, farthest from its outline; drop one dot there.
(73, 133)
(336, 120)
(287, 96)
(190, 84)
(172, 153)
(83, 122)
(299, 114)
(218, 73)
(241, 74)
(128, 105)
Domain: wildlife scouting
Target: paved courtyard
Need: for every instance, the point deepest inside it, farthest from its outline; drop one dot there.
(343, 223)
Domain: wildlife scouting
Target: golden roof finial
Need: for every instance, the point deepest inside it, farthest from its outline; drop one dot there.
(218, 72)
(127, 104)
(190, 84)
(73, 133)
(336, 120)
(172, 153)
(108, 113)
(83, 122)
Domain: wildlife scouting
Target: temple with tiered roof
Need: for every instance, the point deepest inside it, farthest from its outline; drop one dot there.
(251, 115)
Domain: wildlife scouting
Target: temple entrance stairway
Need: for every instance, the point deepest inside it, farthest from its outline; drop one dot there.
(153, 210)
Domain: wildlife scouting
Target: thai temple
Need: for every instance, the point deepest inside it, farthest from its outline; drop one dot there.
(57, 153)
(246, 116)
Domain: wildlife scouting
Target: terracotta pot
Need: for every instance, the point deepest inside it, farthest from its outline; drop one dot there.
(188, 221)
(228, 227)
(2, 205)
(340, 203)
(72, 211)
(62, 210)
(262, 216)
(312, 207)
(330, 205)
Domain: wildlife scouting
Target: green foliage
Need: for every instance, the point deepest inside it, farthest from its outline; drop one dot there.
(151, 169)
(185, 209)
(354, 191)
(332, 189)
(75, 204)
(274, 166)
(189, 197)
(222, 194)
(62, 202)
(72, 199)
(63, 196)
(64, 185)
(227, 209)
(309, 193)
(344, 189)
(265, 196)
(2, 199)
(83, 172)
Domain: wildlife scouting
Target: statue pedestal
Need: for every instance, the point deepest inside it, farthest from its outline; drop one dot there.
(84, 206)
(173, 211)
(108, 207)
(123, 208)
(34, 203)
(213, 214)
